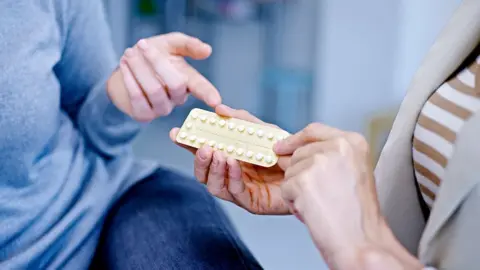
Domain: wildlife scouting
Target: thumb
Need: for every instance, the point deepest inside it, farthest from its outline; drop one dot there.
(187, 46)
(284, 162)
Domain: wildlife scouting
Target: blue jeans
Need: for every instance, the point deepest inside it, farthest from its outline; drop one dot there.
(168, 221)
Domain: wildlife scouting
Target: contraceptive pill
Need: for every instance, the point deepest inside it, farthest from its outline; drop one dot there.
(242, 140)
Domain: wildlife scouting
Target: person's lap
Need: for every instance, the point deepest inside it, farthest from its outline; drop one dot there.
(168, 221)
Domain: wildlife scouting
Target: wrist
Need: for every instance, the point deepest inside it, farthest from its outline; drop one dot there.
(117, 92)
(112, 82)
(379, 250)
(372, 258)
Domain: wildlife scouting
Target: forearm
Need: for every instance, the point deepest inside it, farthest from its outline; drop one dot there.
(383, 252)
(376, 258)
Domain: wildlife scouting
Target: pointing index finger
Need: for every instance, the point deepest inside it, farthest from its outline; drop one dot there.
(199, 86)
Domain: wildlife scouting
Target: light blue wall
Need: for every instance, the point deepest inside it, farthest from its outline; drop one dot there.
(355, 58)
(367, 53)
(421, 22)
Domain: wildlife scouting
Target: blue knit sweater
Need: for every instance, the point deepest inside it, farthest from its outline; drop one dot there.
(64, 147)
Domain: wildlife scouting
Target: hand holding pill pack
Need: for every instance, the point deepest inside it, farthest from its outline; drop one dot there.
(239, 139)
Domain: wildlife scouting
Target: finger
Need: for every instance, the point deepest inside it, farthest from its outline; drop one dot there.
(309, 150)
(284, 162)
(184, 45)
(312, 133)
(290, 190)
(216, 173)
(225, 110)
(235, 183)
(148, 81)
(294, 211)
(199, 86)
(140, 108)
(298, 168)
(202, 163)
(173, 136)
(175, 81)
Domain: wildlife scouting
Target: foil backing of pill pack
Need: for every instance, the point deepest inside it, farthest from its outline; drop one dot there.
(239, 139)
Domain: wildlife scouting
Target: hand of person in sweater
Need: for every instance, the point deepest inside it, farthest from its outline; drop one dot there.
(252, 187)
(153, 77)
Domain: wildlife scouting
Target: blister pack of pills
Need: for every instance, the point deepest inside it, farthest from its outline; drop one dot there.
(239, 139)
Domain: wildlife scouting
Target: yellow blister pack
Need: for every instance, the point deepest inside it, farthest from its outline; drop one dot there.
(239, 139)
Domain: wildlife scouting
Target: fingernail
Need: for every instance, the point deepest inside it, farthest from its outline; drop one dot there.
(143, 44)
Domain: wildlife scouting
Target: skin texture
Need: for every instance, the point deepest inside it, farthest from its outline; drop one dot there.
(254, 188)
(331, 187)
(153, 77)
(324, 177)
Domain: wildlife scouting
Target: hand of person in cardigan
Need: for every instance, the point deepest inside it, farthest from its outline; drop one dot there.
(330, 186)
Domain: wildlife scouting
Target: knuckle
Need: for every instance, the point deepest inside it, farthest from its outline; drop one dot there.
(175, 34)
(318, 162)
(359, 141)
(142, 118)
(213, 190)
(154, 90)
(163, 110)
(178, 35)
(316, 159)
(139, 43)
(130, 55)
(136, 96)
(295, 155)
(200, 166)
(216, 165)
(178, 86)
(342, 144)
(312, 129)
(168, 108)
(303, 179)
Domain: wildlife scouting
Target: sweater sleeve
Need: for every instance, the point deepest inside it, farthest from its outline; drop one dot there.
(87, 61)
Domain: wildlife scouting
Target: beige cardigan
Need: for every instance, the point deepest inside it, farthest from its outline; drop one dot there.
(451, 237)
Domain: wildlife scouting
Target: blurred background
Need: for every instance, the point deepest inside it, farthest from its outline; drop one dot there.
(346, 63)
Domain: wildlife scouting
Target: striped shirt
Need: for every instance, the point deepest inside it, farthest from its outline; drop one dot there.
(439, 122)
